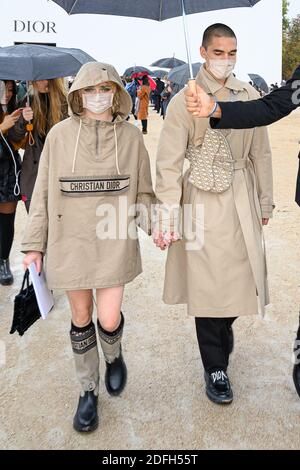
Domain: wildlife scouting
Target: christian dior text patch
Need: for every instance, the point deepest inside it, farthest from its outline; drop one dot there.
(93, 185)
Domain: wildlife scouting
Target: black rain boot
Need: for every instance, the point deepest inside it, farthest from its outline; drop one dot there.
(84, 345)
(86, 417)
(6, 277)
(116, 371)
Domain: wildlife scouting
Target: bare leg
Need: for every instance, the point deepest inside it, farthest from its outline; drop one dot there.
(81, 303)
(109, 302)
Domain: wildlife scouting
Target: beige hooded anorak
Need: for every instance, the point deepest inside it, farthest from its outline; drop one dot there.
(91, 173)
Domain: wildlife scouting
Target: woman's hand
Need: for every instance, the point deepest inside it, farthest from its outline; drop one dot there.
(10, 120)
(164, 240)
(27, 114)
(35, 257)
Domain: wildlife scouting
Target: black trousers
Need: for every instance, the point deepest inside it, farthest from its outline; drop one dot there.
(213, 340)
(144, 124)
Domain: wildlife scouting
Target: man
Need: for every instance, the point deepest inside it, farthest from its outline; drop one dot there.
(273, 107)
(219, 279)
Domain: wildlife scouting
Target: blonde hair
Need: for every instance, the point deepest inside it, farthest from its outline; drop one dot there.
(75, 100)
(44, 119)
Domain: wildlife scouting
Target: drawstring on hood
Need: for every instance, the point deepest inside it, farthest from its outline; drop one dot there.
(92, 74)
(116, 145)
(76, 145)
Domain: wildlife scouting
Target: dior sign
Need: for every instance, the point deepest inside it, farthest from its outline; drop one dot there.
(34, 26)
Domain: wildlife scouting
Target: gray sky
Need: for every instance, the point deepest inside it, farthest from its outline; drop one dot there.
(294, 8)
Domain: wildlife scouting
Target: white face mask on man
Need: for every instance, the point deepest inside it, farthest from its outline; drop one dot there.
(97, 103)
(221, 68)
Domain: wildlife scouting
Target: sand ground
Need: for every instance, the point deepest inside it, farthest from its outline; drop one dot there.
(164, 405)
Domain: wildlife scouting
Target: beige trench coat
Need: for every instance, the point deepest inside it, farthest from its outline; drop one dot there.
(223, 274)
(85, 165)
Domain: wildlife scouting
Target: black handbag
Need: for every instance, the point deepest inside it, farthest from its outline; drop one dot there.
(26, 309)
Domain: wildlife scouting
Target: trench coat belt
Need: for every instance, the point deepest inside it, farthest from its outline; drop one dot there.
(240, 164)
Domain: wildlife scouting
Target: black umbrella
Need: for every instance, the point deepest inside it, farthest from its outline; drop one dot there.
(35, 62)
(159, 73)
(168, 63)
(180, 75)
(158, 10)
(136, 69)
(259, 82)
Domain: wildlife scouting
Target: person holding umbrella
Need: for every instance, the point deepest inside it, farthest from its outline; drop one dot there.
(218, 268)
(143, 95)
(48, 106)
(94, 169)
(10, 166)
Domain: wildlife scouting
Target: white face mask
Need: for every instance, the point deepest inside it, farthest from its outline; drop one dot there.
(221, 68)
(98, 103)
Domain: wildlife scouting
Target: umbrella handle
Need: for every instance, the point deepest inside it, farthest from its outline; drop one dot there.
(192, 85)
(29, 128)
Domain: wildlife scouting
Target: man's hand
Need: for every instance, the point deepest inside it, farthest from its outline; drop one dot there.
(10, 120)
(200, 105)
(265, 221)
(164, 239)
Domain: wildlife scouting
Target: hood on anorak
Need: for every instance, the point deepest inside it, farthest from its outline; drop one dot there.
(94, 73)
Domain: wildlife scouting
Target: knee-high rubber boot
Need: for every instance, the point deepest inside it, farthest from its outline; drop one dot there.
(116, 372)
(86, 356)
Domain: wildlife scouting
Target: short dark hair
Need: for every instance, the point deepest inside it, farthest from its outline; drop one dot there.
(218, 30)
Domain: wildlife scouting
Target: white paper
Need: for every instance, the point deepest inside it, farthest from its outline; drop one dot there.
(44, 296)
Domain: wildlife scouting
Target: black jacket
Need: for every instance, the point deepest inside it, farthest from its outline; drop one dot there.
(262, 112)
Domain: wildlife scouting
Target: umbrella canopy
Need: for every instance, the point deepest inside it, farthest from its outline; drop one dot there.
(168, 63)
(158, 10)
(159, 73)
(150, 79)
(34, 62)
(180, 75)
(259, 82)
(136, 69)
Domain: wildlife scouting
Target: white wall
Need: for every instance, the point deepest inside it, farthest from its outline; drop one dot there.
(128, 41)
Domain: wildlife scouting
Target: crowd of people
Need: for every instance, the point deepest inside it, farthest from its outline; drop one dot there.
(82, 154)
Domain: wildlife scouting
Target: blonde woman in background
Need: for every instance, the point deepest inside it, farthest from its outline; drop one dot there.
(48, 106)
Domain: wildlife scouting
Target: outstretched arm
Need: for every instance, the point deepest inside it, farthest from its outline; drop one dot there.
(243, 115)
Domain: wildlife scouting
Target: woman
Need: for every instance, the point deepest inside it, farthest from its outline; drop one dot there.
(143, 95)
(10, 165)
(93, 163)
(48, 107)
